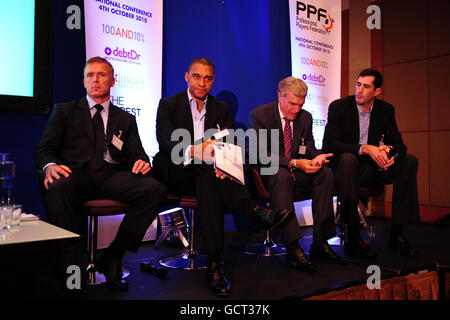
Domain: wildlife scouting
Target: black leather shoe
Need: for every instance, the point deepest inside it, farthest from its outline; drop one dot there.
(358, 249)
(399, 245)
(267, 219)
(322, 250)
(112, 270)
(298, 260)
(216, 280)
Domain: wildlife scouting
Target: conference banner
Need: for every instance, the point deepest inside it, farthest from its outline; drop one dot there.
(128, 33)
(316, 55)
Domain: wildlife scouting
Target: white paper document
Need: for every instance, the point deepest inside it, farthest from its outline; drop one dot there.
(228, 160)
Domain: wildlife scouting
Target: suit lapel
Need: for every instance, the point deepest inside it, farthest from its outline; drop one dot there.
(297, 134)
(186, 115)
(85, 114)
(277, 124)
(211, 114)
(113, 119)
(355, 121)
(374, 119)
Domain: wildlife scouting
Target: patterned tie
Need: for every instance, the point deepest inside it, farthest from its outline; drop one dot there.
(287, 139)
(100, 139)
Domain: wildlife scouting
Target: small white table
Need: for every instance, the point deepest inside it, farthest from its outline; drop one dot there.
(33, 231)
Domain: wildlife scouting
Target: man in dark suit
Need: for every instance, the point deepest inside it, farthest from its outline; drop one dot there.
(91, 148)
(369, 150)
(301, 166)
(182, 125)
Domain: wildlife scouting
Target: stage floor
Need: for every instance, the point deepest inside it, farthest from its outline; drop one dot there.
(270, 278)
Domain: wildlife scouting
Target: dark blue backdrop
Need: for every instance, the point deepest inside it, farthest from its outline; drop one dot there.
(248, 41)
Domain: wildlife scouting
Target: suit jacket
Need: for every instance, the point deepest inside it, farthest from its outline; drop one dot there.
(175, 113)
(268, 117)
(69, 137)
(342, 129)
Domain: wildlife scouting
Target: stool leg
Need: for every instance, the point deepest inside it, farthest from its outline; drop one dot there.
(339, 240)
(93, 276)
(267, 249)
(190, 260)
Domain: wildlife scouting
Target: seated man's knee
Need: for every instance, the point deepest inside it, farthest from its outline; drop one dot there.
(327, 174)
(412, 160)
(347, 158)
(153, 188)
(409, 164)
(61, 185)
(282, 178)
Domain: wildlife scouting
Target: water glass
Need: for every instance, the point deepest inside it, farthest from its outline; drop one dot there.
(17, 212)
(7, 211)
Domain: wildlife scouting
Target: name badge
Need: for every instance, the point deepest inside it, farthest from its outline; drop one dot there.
(302, 148)
(221, 134)
(116, 142)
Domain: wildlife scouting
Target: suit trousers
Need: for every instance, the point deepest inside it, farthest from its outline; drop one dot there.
(65, 196)
(213, 195)
(352, 172)
(282, 186)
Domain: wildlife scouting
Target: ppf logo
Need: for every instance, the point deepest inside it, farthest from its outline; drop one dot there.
(328, 21)
(314, 78)
(123, 53)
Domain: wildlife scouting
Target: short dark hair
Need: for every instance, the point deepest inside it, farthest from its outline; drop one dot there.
(378, 81)
(204, 61)
(99, 60)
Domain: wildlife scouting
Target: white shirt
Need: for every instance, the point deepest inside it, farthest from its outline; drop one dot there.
(364, 122)
(283, 122)
(198, 119)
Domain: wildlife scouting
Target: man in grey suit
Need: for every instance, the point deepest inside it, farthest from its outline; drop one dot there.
(300, 166)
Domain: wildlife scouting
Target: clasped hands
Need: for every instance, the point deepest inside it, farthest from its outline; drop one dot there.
(379, 155)
(55, 171)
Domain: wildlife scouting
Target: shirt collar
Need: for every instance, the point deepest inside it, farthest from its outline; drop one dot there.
(368, 111)
(190, 98)
(281, 113)
(92, 103)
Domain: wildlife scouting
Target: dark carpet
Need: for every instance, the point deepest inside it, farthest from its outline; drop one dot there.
(260, 278)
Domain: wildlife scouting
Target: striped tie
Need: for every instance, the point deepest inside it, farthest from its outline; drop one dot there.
(287, 139)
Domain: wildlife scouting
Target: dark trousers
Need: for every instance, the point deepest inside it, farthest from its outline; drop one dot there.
(65, 196)
(282, 186)
(352, 172)
(213, 195)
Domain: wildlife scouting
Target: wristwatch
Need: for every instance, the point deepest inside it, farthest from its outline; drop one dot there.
(294, 165)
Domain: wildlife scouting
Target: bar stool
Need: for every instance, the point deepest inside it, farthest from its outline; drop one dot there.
(364, 210)
(93, 209)
(268, 248)
(189, 259)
